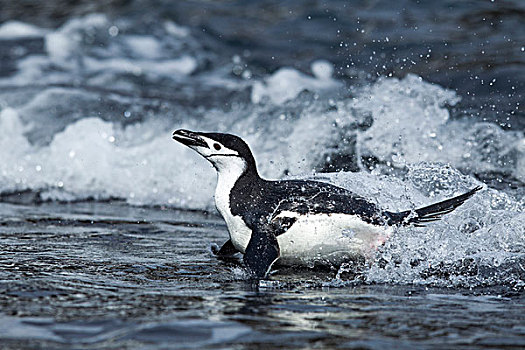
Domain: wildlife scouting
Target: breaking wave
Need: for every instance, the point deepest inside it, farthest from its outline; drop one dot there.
(80, 122)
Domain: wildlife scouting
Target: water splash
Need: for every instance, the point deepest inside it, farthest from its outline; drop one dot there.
(98, 125)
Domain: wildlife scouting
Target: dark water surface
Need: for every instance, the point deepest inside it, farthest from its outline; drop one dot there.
(92, 275)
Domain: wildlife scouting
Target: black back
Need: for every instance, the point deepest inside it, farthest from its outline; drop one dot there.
(255, 199)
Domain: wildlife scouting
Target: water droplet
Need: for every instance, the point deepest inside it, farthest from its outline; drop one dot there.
(113, 31)
(237, 70)
(247, 74)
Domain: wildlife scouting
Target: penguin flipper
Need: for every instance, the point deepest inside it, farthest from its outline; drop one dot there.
(227, 249)
(226, 253)
(262, 251)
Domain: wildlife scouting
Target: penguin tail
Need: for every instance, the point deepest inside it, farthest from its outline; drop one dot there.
(419, 217)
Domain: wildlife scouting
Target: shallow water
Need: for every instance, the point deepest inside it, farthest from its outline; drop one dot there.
(106, 223)
(92, 275)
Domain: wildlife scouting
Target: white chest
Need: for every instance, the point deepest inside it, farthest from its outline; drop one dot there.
(239, 233)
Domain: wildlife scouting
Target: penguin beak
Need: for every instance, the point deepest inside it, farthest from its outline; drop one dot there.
(189, 138)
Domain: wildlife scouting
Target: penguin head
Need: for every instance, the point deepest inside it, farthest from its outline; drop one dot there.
(225, 152)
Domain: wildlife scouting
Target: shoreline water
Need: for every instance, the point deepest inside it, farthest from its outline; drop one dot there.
(104, 275)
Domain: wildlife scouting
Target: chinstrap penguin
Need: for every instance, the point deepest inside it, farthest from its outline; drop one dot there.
(296, 221)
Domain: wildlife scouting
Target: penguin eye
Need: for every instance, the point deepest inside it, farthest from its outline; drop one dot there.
(217, 146)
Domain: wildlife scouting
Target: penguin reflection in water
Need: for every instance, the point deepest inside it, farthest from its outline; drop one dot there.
(295, 221)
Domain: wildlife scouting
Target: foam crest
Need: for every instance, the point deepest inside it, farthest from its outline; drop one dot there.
(93, 45)
(411, 123)
(86, 160)
(286, 83)
(288, 141)
(16, 30)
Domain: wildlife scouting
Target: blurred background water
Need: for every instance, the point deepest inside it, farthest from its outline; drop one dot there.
(106, 222)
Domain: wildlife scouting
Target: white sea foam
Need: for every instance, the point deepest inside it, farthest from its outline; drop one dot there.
(286, 83)
(477, 244)
(180, 66)
(64, 46)
(17, 30)
(85, 46)
(176, 30)
(88, 155)
(144, 46)
(87, 161)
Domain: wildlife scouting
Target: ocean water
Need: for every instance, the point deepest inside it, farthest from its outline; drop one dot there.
(106, 224)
